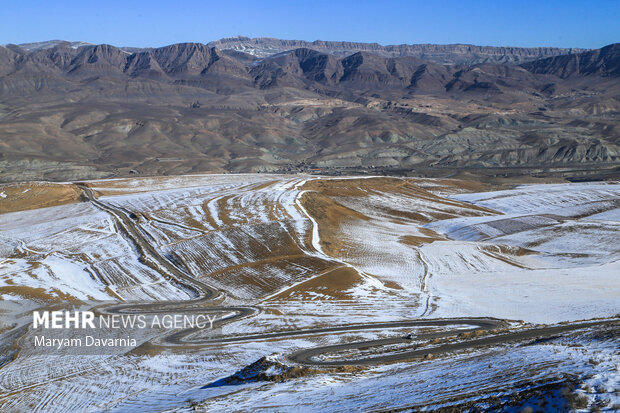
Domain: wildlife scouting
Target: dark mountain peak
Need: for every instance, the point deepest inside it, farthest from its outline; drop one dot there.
(360, 57)
(186, 58)
(143, 64)
(100, 59)
(305, 52)
(14, 48)
(614, 47)
(10, 50)
(187, 47)
(600, 62)
(294, 55)
(317, 66)
(287, 68)
(99, 51)
(609, 57)
(51, 60)
(187, 50)
(310, 59)
(366, 67)
(8, 59)
(60, 56)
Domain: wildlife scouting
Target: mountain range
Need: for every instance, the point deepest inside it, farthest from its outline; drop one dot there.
(71, 110)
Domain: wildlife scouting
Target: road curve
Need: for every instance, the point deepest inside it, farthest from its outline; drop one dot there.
(206, 295)
(308, 356)
(204, 291)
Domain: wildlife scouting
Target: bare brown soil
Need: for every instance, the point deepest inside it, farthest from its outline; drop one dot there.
(403, 186)
(416, 241)
(329, 215)
(146, 349)
(352, 187)
(33, 195)
(38, 294)
(466, 182)
(333, 283)
(322, 203)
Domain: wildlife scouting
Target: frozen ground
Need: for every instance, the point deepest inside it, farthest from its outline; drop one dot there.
(571, 271)
(549, 253)
(406, 249)
(442, 383)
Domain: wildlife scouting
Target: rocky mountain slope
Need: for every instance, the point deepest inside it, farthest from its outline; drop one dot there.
(71, 112)
(601, 62)
(444, 54)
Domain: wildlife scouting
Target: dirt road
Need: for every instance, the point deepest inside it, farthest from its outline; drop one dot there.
(206, 297)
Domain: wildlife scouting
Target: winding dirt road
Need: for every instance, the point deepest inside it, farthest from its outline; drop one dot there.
(207, 298)
(310, 356)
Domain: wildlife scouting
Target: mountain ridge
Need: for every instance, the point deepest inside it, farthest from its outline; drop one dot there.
(98, 110)
(439, 53)
(443, 54)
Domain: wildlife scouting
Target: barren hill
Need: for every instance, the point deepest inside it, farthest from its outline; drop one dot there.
(74, 111)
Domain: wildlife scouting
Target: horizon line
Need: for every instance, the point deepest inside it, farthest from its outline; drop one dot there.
(301, 40)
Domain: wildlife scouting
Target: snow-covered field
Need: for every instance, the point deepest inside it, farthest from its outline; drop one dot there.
(407, 249)
(549, 253)
(572, 271)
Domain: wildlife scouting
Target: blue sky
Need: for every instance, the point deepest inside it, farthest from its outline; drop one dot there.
(567, 23)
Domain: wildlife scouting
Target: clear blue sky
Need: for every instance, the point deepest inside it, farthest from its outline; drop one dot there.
(565, 23)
